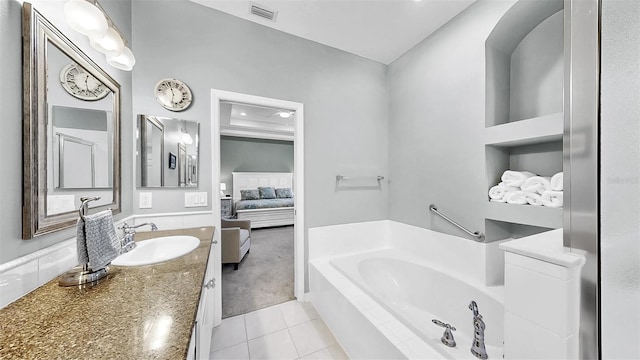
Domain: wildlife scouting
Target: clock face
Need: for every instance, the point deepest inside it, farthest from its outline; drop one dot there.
(81, 84)
(173, 94)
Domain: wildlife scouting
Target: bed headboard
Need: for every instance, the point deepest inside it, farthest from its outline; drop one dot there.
(251, 180)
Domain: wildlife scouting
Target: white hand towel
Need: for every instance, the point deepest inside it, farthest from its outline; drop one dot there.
(516, 197)
(515, 178)
(498, 192)
(534, 199)
(536, 184)
(97, 241)
(552, 198)
(557, 182)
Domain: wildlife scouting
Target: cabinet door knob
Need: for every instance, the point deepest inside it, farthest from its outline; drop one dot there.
(211, 284)
(215, 242)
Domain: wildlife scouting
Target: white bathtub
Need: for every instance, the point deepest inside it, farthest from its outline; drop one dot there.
(379, 295)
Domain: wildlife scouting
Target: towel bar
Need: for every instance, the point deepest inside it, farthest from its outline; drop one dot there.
(477, 234)
(342, 177)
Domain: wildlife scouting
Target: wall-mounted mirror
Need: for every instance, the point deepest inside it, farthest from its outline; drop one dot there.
(166, 152)
(71, 143)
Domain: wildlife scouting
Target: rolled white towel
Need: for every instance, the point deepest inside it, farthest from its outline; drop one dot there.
(557, 182)
(552, 198)
(534, 199)
(516, 197)
(536, 184)
(497, 192)
(515, 178)
(499, 200)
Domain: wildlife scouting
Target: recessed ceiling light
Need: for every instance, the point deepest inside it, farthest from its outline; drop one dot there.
(243, 114)
(284, 114)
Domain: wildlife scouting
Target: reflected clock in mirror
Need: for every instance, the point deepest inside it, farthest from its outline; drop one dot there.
(71, 140)
(157, 138)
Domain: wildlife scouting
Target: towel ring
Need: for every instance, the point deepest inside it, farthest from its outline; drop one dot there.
(82, 211)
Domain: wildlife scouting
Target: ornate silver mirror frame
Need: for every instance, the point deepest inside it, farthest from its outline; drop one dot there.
(38, 33)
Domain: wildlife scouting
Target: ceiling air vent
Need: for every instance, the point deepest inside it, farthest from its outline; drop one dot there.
(262, 11)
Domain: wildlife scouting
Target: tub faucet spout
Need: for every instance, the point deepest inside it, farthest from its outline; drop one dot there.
(477, 347)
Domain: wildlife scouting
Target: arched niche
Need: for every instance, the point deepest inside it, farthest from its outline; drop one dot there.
(524, 63)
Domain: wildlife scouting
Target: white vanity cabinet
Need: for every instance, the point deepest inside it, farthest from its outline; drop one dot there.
(200, 343)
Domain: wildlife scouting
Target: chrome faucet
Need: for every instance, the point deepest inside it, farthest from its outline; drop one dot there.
(477, 347)
(447, 337)
(127, 244)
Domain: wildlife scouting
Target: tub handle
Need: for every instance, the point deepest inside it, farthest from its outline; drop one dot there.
(447, 337)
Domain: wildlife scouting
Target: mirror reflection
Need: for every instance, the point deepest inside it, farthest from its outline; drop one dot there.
(71, 141)
(166, 152)
(82, 152)
(79, 135)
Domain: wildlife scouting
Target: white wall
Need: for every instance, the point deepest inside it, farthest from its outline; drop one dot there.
(345, 98)
(437, 121)
(11, 244)
(620, 179)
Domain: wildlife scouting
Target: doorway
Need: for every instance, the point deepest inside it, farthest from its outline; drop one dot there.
(218, 100)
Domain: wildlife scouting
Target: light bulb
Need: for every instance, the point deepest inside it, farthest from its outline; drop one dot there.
(123, 61)
(187, 139)
(110, 43)
(85, 18)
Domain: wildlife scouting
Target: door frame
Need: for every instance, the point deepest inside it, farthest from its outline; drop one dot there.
(298, 180)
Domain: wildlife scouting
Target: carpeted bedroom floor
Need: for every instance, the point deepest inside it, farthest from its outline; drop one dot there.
(265, 276)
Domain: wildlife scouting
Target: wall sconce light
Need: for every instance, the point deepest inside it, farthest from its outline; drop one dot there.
(89, 18)
(186, 137)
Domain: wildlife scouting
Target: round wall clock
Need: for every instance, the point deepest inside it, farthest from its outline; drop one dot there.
(173, 94)
(81, 84)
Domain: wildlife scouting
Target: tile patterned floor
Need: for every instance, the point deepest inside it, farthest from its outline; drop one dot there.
(291, 330)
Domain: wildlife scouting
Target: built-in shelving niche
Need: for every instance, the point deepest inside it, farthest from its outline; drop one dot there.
(505, 229)
(524, 110)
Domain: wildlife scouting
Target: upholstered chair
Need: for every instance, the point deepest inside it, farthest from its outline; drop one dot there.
(236, 240)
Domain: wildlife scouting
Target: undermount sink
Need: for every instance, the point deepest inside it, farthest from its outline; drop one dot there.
(157, 250)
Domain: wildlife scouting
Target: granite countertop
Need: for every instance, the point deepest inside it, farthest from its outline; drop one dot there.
(135, 313)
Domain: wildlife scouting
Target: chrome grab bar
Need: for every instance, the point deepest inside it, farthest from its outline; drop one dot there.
(342, 177)
(477, 235)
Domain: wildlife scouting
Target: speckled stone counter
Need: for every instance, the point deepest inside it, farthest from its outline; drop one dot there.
(143, 312)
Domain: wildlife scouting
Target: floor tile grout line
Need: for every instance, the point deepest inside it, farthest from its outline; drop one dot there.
(236, 344)
(265, 334)
(246, 335)
(294, 344)
(287, 327)
(246, 343)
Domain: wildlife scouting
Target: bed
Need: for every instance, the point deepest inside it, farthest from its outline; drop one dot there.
(263, 212)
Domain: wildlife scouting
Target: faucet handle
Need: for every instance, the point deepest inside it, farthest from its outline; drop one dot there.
(442, 324)
(126, 228)
(447, 337)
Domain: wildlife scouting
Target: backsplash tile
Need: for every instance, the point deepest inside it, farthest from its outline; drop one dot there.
(18, 281)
